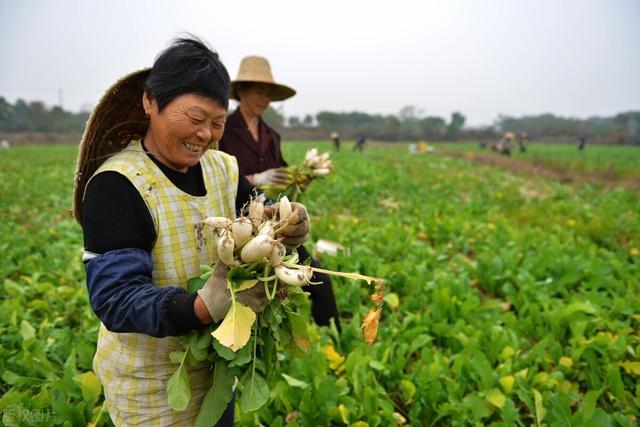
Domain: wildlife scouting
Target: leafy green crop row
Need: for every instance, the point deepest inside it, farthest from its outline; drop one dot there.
(509, 301)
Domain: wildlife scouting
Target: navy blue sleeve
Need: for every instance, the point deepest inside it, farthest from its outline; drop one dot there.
(124, 298)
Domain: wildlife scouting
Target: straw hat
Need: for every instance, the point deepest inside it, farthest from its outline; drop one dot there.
(256, 69)
(118, 119)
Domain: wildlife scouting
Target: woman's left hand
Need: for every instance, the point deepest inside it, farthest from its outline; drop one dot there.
(297, 231)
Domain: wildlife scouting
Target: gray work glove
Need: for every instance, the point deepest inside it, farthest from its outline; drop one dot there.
(275, 176)
(217, 297)
(297, 231)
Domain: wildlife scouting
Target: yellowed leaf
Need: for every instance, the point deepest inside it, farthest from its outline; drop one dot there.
(632, 368)
(540, 378)
(496, 398)
(507, 383)
(89, 384)
(393, 300)
(408, 390)
(390, 203)
(235, 330)
(335, 359)
(566, 361)
(399, 419)
(507, 352)
(344, 413)
(370, 325)
(565, 386)
(246, 284)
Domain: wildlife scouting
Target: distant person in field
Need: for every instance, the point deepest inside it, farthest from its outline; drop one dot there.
(523, 140)
(335, 137)
(506, 145)
(257, 147)
(359, 145)
(145, 175)
(582, 142)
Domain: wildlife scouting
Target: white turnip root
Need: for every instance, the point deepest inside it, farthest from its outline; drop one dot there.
(257, 249)
(256, 212)
(242, 229)
(216, 222)
(225, 249)
(292, 276)
(277, 254)
(284, 208)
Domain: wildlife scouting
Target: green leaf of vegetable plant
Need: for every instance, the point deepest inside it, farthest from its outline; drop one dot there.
(540, 411)
(614, 381)
(194, 284)
(300, 336)
(255, 391)
(199, 345)
(176, 357)
(218, 396)
(243, 356)
(26, 330)
(589, 403)
(236, 275)
(294, 382)
(224, 352)
(178, 388)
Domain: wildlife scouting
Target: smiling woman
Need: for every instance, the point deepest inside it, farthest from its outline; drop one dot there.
(145, 176)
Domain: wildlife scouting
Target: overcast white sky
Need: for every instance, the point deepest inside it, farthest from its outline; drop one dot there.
(483, 58)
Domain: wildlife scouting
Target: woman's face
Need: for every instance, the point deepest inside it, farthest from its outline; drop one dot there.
(255, 99)
(184, 130)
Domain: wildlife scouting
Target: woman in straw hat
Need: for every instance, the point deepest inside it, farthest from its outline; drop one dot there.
(257, 148)
(145, 176)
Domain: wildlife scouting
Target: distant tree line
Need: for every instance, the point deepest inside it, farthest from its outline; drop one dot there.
(36, 117)
(623, 128)
(408, 125)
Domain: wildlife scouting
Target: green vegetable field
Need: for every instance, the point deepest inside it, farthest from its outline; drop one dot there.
(615, 162)
(510, 300)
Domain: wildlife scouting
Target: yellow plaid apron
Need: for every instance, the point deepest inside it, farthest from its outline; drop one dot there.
(134, 368)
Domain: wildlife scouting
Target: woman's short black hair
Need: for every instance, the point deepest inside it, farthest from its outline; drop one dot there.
(188, 66)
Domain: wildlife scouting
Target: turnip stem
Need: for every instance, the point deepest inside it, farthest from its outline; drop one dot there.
(352, 276)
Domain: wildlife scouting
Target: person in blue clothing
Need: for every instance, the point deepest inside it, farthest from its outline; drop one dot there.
(582, 142)
(359, 146)
(146, 173)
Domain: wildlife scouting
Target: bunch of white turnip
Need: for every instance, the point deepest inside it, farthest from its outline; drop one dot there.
(315, 165)
(254, 242)
(319, 164)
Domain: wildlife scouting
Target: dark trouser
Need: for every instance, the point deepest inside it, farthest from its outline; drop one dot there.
(323, 302)
(227, 416)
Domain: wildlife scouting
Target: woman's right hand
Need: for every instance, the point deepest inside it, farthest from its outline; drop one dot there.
(275, 176)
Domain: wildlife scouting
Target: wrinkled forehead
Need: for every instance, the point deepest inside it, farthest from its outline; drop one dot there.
(193, 103)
